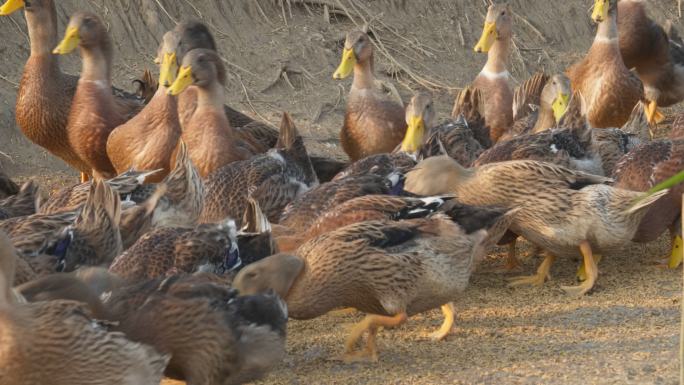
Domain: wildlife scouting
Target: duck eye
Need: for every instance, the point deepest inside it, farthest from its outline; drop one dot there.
(503, 13)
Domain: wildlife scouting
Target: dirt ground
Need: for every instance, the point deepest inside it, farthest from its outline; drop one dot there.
(625, 332)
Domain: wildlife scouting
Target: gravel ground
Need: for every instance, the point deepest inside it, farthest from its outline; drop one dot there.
(624, 332)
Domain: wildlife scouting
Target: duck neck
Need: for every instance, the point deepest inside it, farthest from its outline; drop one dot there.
(545, 120)
(43, 34)
(363, 74)
(607, 32)
(97, 63)
(497, 57)
(211, 96)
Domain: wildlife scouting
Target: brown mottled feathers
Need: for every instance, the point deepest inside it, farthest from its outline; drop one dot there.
(167, 250)
(25, 202)
(7, 185)
(470, 105)
(274, 179)
(644, 167)
(36, 337)
(303, 211)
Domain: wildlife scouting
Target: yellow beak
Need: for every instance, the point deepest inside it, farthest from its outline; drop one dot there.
(11, 6)
(183, 81)
(168, 69)
(69, 43)
(600, 11)
(347, 65)
(487, 39)
(414, 135)
(560, 105)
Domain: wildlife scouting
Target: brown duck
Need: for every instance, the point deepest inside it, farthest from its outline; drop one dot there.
(493, 80)
(211, 140)
(38, 337)
(391, 270)
(148, 140)
(95, 111)
(374, 121)
(610, 89)
(645, 46)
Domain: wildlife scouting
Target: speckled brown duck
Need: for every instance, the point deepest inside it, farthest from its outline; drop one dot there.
(94, 239)
(273, 179)
(183, 200)
(374, 120)
(565, 212)
(7, 185)
(212, 335)
(644, 167)
(591, 150)
(364, 208)
(176, 250)
(493, 81)
(304, 210)
(95, 111)
(25, 202)
(609, 87)
(148, 140)
(31, 234)
(139, 219)
(68, 329)
(70, 198)
(211, 140)
(390, 270)
(646, 47)
(452, 137)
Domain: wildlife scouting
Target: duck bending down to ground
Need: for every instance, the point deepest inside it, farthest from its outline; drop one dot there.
(38, 337)
(561, 210)
(390, 270)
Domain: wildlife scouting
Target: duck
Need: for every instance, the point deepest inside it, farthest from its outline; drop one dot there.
(564, 212)
(646, 47)
(70, 330)
(453, 137)
(580, 147)
(139, 219)
(195, 34)
(494, 79)
(360, 209)
(609, 87)
(7, 186)
(539, 104)
(94, 239)
(643, 168)
(388, 269)
(45, 92)
(469, 106)
(71, 197)
(95, 111)
(306, 208)
(24, 202)
(166, 251)
(212, 335)
(183, 199)
(374, 119)
(148, 140)
(210, 138)
(273, 179)
(31, 234)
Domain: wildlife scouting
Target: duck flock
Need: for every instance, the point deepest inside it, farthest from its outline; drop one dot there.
(196, 231)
